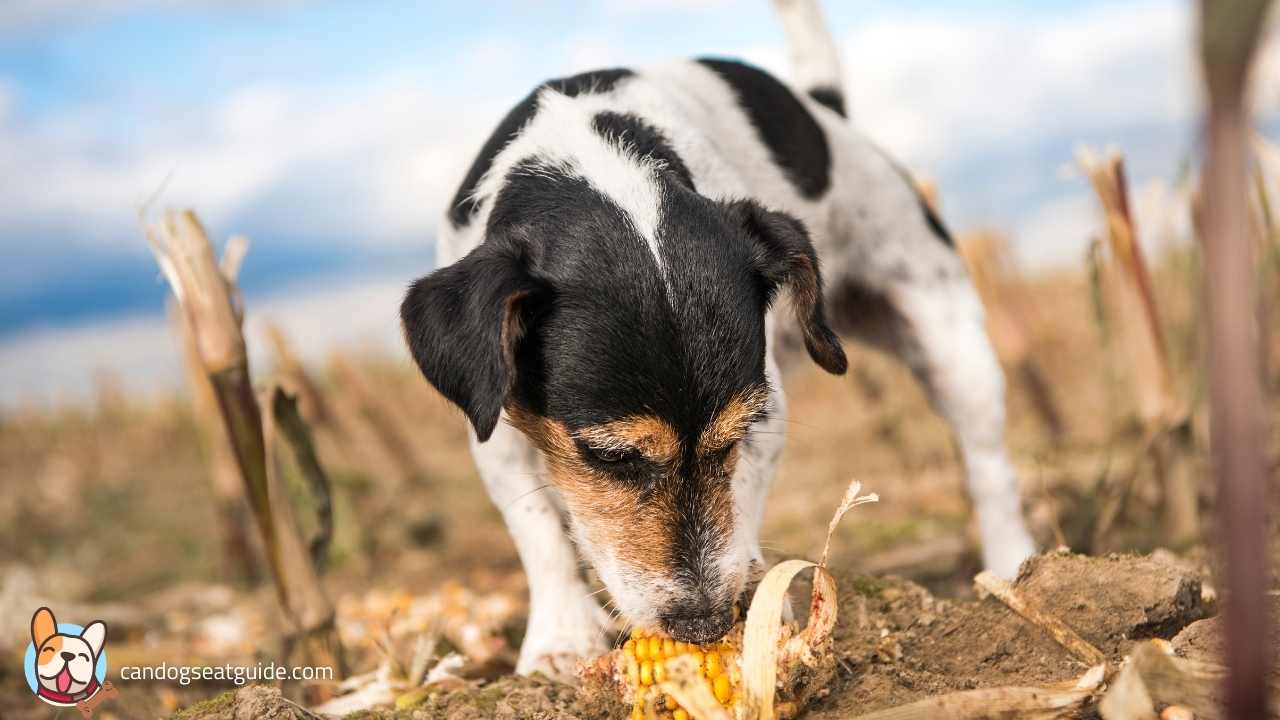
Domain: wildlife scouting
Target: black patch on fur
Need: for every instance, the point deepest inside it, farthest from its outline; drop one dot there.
(464, 205)
(462, 323)
(795, 140)
(647, 141)
(829, 97)
(615, 340)
(930, 217)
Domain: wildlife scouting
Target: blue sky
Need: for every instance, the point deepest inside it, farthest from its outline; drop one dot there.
(332, 132)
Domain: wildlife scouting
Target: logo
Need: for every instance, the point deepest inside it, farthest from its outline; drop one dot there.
(66, 664)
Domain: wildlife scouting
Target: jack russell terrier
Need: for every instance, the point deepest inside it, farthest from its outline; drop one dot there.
(607, 315)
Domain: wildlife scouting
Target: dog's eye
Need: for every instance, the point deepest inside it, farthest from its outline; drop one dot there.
(86, 657)
(48, 649)
(719, 456)
(612, 456)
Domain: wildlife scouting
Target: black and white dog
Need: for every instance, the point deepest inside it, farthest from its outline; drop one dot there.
(607, 273)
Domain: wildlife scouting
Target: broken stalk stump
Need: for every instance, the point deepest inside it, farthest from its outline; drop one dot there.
(208, 301)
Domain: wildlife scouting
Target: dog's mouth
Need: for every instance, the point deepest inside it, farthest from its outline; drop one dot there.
(63, 680)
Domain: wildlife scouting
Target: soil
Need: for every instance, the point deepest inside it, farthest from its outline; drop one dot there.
(895, 643)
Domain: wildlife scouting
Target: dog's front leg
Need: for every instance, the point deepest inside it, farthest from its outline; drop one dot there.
(757, 465)
(565, 622)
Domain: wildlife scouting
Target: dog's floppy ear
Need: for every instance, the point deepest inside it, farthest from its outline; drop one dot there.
(95, 633)
(43, 626)
(463, 323)
(784, 257)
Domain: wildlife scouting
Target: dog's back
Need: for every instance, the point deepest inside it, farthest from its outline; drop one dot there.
(727, 129)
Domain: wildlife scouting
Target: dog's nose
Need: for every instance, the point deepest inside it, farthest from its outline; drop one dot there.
(699, 628)
(67, 656)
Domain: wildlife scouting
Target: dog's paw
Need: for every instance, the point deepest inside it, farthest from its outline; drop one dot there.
(558, 636)
(1003, 556)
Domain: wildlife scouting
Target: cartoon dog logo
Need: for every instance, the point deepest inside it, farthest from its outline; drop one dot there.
(65, 663)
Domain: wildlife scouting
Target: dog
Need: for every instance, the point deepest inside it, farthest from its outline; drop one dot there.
(628, 268)
(65, 664)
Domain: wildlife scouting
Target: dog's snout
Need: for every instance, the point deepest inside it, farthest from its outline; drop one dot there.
(699, 627)
(67, 656)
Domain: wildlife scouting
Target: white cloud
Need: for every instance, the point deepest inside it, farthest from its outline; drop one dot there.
(933, 86)
(377, 161)
(23, 14)
(665, 6)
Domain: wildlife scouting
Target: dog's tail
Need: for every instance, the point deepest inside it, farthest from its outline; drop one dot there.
(813, 52)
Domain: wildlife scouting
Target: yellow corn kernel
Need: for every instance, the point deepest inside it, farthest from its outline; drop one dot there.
(646, 654)
(721, 688)
(713, 664)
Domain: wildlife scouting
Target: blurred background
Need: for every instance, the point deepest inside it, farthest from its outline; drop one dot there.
(332, 135)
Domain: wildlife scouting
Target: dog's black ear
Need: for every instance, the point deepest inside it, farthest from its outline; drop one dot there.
(463, 324)
(784, 257)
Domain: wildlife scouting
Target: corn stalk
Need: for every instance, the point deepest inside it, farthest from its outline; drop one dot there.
(316, 638)
(228, 488)
(209, 304)
(1164, 418)
(1229, 32)
(377, 419)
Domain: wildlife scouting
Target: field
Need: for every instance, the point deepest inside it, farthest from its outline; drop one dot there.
(111, 511)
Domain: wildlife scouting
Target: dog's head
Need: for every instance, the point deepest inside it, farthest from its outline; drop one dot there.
(65, 663)
(623, 331)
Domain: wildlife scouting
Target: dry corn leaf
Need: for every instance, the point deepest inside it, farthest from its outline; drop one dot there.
(852, 498)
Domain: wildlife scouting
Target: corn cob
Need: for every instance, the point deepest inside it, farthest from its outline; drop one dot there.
(645, 656)
(635, 674)
(765, 668)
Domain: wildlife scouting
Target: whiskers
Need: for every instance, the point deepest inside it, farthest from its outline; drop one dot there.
(526, 494)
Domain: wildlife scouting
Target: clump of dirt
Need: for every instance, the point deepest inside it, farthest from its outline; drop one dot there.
(1205, 641)
(1115, 599)
(897, 643)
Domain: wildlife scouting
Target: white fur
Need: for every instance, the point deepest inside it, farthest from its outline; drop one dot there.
(561, 138)
(565, 621)
(868, 230)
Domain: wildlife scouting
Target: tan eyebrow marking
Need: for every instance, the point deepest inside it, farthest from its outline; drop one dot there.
(616, 517)
(651, 436)
(734, 419)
